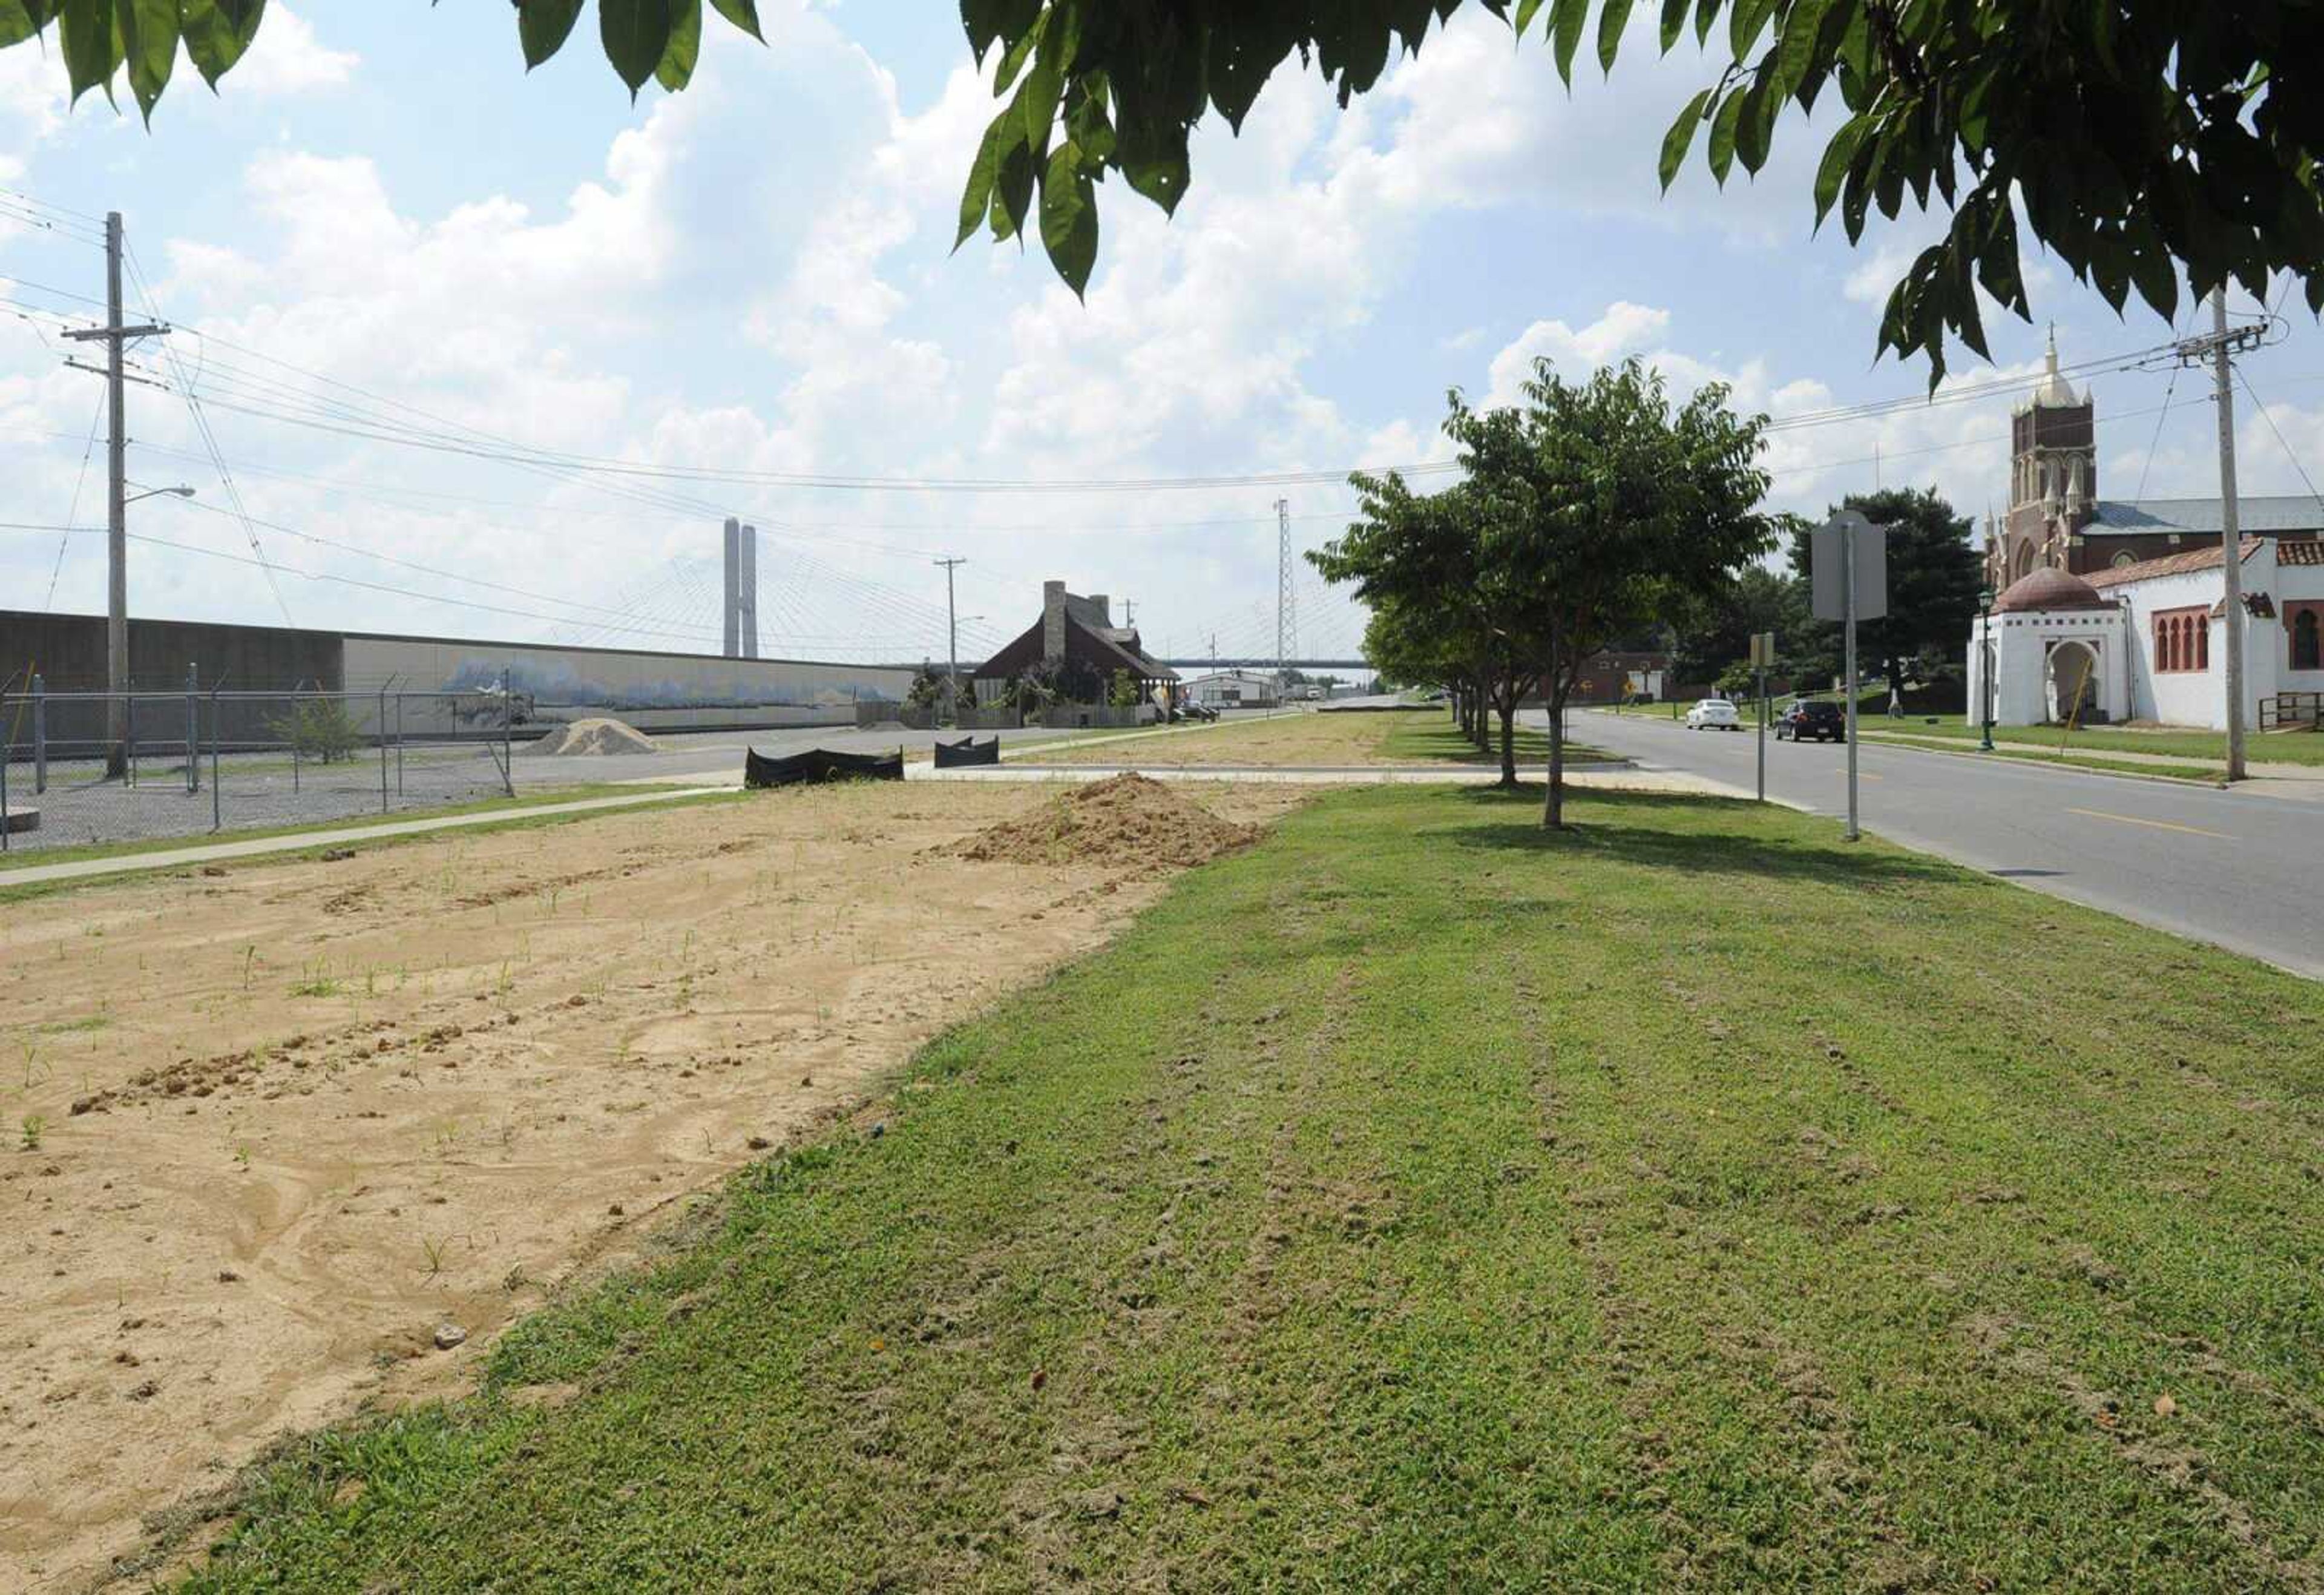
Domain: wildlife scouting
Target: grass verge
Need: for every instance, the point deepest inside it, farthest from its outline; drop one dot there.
(2209, 775)
(1420, 1201)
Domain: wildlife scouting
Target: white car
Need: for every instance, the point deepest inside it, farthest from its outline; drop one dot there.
(1713, 714)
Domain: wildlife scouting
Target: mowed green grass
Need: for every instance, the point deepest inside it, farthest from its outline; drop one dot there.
(1433, 735)
(2295, 747)
(1418, 1201)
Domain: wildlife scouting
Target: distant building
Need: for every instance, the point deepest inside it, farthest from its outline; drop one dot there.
(1612, 677)
(2146, 642)
(1074, 635)
(1231, 689)
(2056, 519)
(2114, 610)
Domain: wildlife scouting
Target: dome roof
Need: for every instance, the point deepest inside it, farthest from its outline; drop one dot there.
(2048, 588)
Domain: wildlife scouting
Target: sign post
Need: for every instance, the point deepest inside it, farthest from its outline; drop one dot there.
(1849, 564)
(1763, 658)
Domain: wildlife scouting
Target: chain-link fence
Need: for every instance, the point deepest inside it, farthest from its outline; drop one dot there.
(100, 767)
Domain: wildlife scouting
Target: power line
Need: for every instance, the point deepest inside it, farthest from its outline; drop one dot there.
(2288, 454)
(79, 481)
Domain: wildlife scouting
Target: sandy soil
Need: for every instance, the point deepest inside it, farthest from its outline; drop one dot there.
(291, 1118)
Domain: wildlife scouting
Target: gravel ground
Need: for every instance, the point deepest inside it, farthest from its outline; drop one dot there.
(255, 790)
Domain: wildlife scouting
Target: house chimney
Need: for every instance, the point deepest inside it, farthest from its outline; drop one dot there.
(1104, 609)
(1052, 621)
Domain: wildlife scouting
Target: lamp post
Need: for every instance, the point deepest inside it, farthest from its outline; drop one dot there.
(1985, 667)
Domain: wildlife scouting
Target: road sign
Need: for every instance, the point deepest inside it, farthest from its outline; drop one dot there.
(1848, 538)
(1763, 650)
(1848, 560)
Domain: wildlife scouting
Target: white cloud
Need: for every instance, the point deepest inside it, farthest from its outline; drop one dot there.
(286, 57)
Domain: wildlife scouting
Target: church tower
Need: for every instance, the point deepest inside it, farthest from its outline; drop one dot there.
(2053, 477)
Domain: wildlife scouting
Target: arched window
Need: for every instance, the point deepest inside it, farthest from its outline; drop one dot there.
(2307, 645)
(2124, 558)
(2202, 627)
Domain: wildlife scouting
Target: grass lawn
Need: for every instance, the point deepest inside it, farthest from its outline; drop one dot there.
(2297, 747)
(2211, 774)
(1370, 737)
(1418, 1202)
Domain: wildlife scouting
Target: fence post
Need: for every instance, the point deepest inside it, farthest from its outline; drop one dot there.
(508, 737)
(193, 729)
(129, 724)
(40, 735)
(217, 801)
(398, 744)
(381, 726)
(7, 752)
(294, 740)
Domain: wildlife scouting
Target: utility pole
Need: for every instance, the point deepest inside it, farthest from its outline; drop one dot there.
(1285, 624)
(952, 638)
(2219, 349)
(114, 335)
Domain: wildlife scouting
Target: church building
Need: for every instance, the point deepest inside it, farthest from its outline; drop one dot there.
(2113, 610)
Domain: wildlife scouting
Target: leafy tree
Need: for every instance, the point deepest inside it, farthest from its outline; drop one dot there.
(1627, 509)
(2136, 138)
(2133, 136)
(1934, 573)
(317, 728)
(1125, 693)
(1445, 566)
(1715, 635)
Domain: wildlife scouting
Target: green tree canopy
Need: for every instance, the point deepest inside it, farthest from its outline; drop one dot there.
(1443, 567)
(1935, 574)
(1583, 516)
(2136, 139)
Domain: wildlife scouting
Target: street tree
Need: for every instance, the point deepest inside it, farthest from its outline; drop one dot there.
(1626, 508)
(1714, 636)
(2137, 140)
(1443, 565)
(1935, 574)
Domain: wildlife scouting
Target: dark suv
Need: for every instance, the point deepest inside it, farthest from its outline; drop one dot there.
(1820, 721)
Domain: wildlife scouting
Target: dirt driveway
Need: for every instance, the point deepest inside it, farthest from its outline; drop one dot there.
(268, 1131)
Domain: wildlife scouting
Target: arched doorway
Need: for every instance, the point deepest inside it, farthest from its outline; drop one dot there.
(2073, 680)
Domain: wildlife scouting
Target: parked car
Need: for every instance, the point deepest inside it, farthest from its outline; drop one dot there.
(1818, 720)
(1198, 712)
(1713, 714)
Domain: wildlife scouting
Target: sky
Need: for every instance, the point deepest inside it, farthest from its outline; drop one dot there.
(394, 258)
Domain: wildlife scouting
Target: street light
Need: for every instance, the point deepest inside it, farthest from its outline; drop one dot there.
(158, 492)
(1985, 666)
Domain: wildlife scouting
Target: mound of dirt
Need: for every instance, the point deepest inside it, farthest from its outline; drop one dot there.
(594, 736)
(1125, 822)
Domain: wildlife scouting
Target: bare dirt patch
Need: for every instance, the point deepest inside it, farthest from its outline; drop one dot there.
(267, 1131)
(1125, 822)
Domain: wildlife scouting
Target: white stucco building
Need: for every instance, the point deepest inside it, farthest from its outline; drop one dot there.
(2147, 641)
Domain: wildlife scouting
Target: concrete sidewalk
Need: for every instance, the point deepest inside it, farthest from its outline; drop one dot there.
(213, 852)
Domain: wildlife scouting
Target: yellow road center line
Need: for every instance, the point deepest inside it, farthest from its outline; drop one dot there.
(2128, 819)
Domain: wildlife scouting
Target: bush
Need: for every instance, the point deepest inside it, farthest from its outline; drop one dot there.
(320, 729)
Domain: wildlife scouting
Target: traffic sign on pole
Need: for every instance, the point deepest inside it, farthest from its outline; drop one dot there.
(1849, 561)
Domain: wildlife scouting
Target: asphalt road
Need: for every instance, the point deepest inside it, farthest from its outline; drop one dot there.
(2240, 869)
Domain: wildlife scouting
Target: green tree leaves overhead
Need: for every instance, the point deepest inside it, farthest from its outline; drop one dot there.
(2139, 141)
(661, 40)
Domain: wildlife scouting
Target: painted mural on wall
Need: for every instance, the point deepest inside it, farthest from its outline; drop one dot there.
(543, 681)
